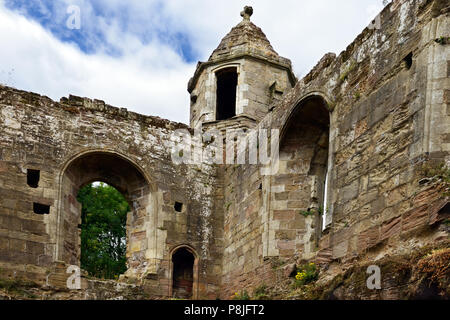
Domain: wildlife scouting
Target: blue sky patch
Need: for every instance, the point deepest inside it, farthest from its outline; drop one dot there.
(53, 16)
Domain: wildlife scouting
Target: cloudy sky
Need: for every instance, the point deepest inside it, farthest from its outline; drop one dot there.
(140, 54)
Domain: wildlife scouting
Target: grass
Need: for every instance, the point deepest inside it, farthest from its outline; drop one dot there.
(311, 212)
(347, 71)
(18, 287)
(438, 171)
(261, 293)
(243, 295)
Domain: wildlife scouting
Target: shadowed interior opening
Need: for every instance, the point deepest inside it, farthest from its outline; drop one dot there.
(178, 206)
(183, 273)
(33, 177)
(41, 208)
(227, 80)
(408, 60)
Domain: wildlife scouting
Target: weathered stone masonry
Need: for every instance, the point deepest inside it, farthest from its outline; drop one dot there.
(79, 141)
(386, 117)
(365, 121)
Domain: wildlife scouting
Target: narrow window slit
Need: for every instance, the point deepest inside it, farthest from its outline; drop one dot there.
(41, 208)
(408, 60)
(178, 206)
(33, 177)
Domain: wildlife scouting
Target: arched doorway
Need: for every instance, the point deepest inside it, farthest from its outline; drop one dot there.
(118, 172)
(304, 151)
(183, 273)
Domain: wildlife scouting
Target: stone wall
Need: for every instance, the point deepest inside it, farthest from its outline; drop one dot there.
(388, 116)
(78, 141)
(371, 122)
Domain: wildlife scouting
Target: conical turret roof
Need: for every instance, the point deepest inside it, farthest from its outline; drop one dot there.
(244, 40)
(246, 37)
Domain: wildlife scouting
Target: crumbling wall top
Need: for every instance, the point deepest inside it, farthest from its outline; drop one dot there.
(75, 105)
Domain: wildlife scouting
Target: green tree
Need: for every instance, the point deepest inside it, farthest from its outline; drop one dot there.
(103, 230)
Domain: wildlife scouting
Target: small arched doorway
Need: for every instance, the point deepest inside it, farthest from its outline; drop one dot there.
(183, 273)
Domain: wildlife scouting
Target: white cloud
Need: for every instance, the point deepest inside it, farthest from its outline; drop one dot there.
(151, 78)
(301, 30)
(148, 79)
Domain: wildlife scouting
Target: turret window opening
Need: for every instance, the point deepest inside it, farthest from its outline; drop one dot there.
(227, 80)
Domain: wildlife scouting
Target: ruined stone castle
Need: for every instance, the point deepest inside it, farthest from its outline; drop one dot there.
(356, 136)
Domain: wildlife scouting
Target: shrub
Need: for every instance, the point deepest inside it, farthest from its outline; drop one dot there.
(260, 293)
(243, 295)
(306, 273)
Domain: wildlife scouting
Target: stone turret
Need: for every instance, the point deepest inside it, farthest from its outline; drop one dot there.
(241, 79)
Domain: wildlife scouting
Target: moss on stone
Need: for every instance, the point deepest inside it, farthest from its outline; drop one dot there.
(426, 267)
(19, 288)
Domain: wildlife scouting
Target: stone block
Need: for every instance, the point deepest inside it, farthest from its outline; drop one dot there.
(368, 238)
(415, 218)
(284, 214)
(391, 228)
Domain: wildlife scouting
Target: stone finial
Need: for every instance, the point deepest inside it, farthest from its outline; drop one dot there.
(247, 13)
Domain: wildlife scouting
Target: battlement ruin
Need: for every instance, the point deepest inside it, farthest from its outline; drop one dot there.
(355, 186)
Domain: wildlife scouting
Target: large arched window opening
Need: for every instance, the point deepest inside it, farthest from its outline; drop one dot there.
(103, 230)
(227, 81)
(304, 149)
(127, 179)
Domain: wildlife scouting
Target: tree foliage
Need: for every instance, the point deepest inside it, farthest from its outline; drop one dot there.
(103, 230)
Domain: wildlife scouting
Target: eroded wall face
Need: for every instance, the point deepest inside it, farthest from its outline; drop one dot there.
(244, 216)
(388, 101)
(40, 134)
(388, 118)
(67, 238)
